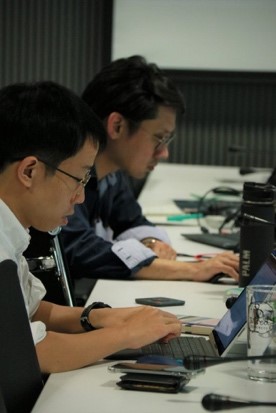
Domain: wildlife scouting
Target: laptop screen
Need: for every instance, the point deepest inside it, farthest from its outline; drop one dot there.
(234, 319)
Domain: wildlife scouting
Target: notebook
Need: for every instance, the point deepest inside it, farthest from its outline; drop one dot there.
(225, 241)
(221, 338)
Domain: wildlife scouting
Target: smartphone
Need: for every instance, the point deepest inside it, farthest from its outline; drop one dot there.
(159, 301)
(159, 369)
(153, 382)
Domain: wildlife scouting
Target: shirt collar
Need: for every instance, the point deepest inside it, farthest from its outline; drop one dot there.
(13, 228)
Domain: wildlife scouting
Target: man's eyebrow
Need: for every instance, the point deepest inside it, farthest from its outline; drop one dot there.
(166, 132)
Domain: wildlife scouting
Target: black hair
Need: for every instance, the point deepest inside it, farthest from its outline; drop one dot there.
(46, 120)
(134, 88)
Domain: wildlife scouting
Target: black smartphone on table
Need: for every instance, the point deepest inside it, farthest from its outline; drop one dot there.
(147, 368)
(159, 301)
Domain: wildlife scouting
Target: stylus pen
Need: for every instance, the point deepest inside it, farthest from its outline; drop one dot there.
(197, 256)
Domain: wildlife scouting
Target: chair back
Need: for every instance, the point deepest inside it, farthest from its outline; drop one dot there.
(47, 261)
(20, 375)
(3, 408)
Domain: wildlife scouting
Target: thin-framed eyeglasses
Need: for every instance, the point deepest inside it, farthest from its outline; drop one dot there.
(162, 141)
(81, 181)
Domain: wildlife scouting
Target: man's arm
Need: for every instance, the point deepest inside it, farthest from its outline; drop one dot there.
(64, 351)
(91, 255)
(161, 269)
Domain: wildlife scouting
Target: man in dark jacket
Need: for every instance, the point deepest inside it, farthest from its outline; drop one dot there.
(108, 237)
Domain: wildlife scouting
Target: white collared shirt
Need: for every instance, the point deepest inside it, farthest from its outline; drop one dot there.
(14, 240)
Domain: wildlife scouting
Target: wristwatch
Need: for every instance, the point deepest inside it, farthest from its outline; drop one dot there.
(148, 242)
(84, 320)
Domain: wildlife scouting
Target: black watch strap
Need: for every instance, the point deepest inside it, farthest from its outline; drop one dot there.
(84, 320)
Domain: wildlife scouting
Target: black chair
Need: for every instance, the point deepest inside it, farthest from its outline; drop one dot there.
(20, 376)
(3, 408)
(47, 262)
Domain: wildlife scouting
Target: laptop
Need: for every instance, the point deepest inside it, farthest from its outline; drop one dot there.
(221, 207)
(221, 338)
(226, 241)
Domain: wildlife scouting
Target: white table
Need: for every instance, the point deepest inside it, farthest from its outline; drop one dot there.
(174, 181)
(93, 389)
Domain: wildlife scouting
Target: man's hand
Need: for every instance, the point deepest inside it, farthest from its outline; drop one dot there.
(225, 262)
(151, 324)
(142, 325)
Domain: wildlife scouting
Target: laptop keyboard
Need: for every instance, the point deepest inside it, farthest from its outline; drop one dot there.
(181, 347)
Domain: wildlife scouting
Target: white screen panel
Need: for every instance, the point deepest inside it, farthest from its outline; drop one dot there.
(198, 34)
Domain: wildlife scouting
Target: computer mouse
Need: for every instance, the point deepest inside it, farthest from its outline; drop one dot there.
(158, 359)
(222, 279)
(216, 278)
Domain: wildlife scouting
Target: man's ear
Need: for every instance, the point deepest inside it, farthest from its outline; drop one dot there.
(26, 170)
(115, 124)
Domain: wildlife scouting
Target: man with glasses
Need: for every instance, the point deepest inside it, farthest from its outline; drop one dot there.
(48, 143)
(108, 237)
(81, 181)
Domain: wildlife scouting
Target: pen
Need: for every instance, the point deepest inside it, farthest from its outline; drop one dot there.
(197, 256)
(183, 217)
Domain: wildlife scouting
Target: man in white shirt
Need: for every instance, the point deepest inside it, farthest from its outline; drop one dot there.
(48, 144)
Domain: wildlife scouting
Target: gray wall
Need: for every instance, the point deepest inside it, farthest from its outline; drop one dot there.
(66, 41)
(226, 110)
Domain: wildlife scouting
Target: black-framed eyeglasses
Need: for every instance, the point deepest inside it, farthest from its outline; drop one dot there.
(81, 181)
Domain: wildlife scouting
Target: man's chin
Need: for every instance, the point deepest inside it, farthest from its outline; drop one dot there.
(55, 231)
(64, 221)
(143, 174)
(151, 167)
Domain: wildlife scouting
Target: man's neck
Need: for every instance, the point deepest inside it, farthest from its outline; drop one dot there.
(104, 165)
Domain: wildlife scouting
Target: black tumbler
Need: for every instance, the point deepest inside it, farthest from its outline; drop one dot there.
(256, 239)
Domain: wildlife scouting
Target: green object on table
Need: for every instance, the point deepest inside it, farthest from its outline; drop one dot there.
(183, 217)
